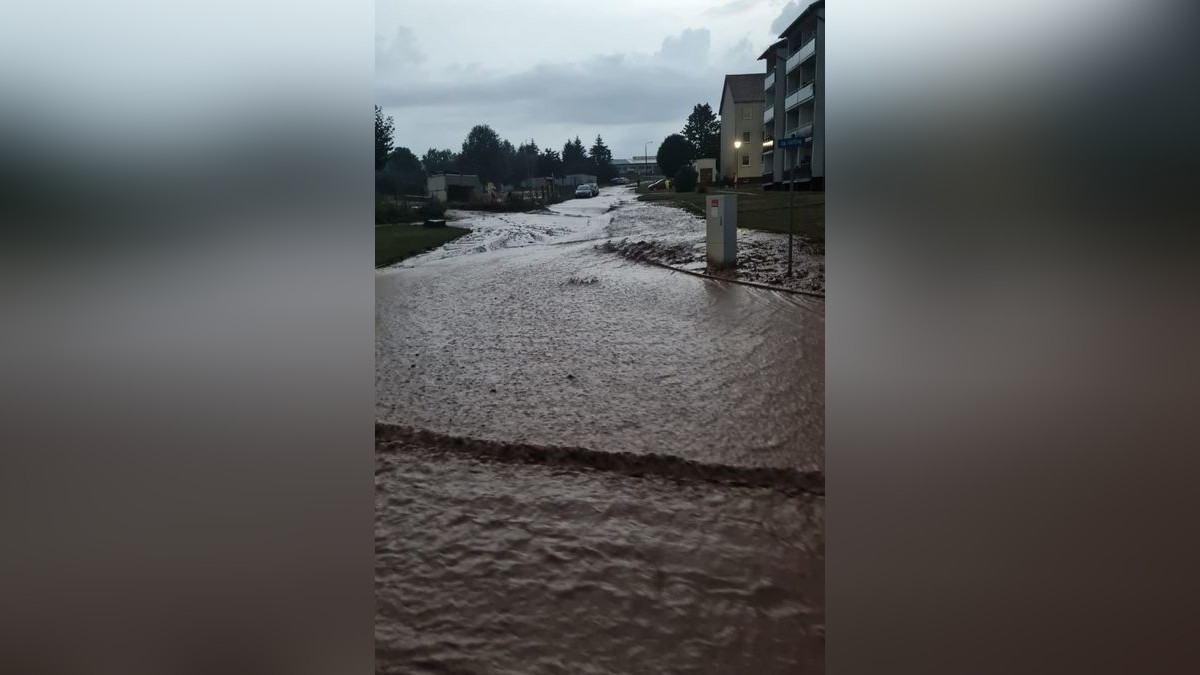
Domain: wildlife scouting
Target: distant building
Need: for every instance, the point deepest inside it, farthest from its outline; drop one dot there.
(741, 127)
(576, 179)
(454, 187)
(795, 103)
(639, 166)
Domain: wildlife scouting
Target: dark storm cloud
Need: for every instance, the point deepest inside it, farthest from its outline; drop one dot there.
(611, 89)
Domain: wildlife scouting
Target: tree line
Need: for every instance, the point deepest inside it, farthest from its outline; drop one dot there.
(483, 153)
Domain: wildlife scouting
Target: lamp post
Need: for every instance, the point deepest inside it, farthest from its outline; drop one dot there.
(645, 162)
(737, 161)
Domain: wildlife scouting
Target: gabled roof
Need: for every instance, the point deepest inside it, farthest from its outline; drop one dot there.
(746, 88)
(771, 48)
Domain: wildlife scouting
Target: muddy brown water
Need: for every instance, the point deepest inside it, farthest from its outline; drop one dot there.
(699, 549)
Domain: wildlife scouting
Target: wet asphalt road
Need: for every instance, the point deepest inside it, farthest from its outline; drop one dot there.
(523, 333)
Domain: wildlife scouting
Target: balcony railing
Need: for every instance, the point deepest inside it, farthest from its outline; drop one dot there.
(792, 62)
(806, 129)
(769, 81)
(768, 114)
(806, 52)
(799, 96)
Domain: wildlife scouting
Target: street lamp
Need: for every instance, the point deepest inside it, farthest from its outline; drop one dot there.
(737, 161)
(645, 161)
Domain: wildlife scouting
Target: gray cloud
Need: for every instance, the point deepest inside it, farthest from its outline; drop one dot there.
(628, 98)
(788, 15)
(398, 54)
(732, 7)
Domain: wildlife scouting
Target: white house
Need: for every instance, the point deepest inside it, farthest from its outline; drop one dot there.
(742, 127)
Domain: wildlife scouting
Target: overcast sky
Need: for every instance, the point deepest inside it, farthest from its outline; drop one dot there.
(550, 70)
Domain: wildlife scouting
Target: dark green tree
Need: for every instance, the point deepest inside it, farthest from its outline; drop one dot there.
(483, 155)
(439, 161)
(685, 179)
(601, 158)
(703, 131)
(527, 160)
(402, 174)
(550, 163)
(383, 138)
(673, 154)
(574, 157)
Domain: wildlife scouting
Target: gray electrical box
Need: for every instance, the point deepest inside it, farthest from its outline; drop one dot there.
(721, 218)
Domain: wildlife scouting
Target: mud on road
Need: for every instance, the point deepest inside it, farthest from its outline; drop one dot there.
(588, 464)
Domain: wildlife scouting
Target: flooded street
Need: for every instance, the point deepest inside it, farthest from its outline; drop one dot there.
(645, 489)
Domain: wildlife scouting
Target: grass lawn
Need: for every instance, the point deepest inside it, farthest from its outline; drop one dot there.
(758, 209)
(394, 243)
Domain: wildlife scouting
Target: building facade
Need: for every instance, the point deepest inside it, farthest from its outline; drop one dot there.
(741, 127)
(794, 91)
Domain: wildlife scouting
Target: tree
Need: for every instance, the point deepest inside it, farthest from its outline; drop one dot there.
(574, 157)
(482, 154)
(703, 131)
(439, 161)
(685, 179)
(673, 154)
(383, 138)
(527, 161)
(550, 163)
(601, 158)
(401, 174)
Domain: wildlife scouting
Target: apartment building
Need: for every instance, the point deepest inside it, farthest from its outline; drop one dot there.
(741, 127)
(794, 95)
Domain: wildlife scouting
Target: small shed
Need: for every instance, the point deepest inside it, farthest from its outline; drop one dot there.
(706, 170)
(454, 187)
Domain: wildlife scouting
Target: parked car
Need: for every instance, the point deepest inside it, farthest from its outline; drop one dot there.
(620, 181)
(584, 190)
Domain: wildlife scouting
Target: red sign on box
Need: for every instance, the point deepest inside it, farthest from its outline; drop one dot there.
(713, 203)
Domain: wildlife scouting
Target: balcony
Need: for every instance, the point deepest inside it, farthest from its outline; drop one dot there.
(805, 130)
(769, 81)
(799, 96)
(768, 114)
(808, 50)
(792, 62)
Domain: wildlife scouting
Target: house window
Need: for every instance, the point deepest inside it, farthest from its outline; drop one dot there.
(745, 136)
(746, 113)
(745, 160)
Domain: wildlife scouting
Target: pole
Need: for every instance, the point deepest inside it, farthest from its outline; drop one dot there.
(792, 207)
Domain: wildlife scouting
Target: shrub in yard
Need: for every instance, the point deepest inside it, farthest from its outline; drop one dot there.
(685, 179)
(432, 209)
(386, 212)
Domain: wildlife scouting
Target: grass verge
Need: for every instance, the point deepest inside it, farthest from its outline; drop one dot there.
(398, 241)
(758, 209)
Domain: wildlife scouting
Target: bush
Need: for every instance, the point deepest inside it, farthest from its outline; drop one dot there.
(700, 189)
(685, 179)
(432, 209)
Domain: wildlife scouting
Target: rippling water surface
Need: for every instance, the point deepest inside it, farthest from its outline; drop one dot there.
(523, 333)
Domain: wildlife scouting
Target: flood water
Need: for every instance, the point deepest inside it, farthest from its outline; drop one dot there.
(695, 553)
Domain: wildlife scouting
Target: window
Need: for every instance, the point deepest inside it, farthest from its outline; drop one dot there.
(746, 113)
(745, 136)
(745, 160)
